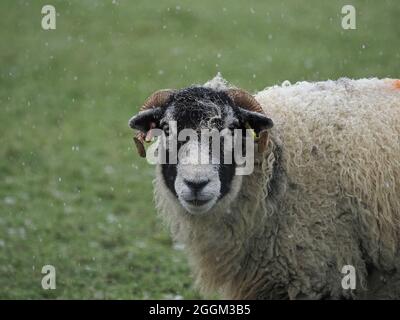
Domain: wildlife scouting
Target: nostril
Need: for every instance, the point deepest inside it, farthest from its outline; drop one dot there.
(196, 186)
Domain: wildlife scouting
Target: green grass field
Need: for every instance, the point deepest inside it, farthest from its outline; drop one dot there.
(73, 192)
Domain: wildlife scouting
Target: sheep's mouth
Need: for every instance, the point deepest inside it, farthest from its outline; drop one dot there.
(198, 205)
(197, 202)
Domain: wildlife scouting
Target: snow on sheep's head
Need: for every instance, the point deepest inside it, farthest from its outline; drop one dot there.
(200, 171)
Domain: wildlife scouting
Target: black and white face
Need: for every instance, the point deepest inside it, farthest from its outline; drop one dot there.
(200, 185)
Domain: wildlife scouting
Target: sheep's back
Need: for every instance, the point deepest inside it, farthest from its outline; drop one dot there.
(342, 148)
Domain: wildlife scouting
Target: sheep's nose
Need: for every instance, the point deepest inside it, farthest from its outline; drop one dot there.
(196, 186)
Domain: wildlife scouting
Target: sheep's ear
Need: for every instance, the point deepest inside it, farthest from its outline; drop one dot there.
(146, 120)
(257, 121)
(260, 123)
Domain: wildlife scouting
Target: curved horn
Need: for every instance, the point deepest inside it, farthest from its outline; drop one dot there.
(246, 101)
(157, 99)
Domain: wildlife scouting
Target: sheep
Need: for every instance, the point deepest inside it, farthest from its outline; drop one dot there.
(324, 193)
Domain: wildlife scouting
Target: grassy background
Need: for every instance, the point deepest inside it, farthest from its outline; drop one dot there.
(73, 193)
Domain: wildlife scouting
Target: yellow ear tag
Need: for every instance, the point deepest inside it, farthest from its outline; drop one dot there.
(252, 131)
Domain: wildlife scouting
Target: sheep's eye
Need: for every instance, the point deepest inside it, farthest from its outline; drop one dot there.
(165, 128)
(233, 126)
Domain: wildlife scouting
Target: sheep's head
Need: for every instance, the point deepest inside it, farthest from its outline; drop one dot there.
(197, 184)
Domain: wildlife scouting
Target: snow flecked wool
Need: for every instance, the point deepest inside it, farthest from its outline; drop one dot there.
(325, 194)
